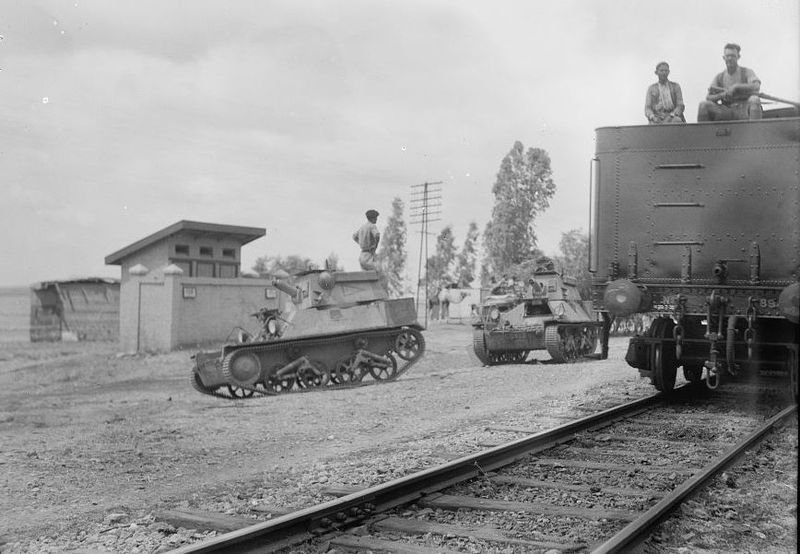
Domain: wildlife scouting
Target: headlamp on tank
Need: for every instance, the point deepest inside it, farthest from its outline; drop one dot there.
(494, 315)
(272, 326)
(623, 298)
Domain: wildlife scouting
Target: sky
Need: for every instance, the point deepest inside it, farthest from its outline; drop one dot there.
(121, 118)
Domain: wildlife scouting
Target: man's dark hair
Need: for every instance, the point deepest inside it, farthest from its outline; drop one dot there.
(732, 46)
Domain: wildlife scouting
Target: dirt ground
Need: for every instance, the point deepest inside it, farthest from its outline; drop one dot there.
(93, 443)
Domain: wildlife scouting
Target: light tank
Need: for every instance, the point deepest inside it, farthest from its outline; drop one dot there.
(545, 313)
(331, 329)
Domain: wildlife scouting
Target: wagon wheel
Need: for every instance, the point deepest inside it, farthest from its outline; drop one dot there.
(384, 372)
(479, 346)
(409, 344)
(313, 374)
(238, 392)
(663, 364)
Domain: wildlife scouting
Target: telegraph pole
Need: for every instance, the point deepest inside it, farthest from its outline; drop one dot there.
(426, 203)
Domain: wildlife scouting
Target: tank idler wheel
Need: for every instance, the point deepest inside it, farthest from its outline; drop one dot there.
(479, 346)
(313, 374)
(409, 344)
(663, 364)
(384, 372)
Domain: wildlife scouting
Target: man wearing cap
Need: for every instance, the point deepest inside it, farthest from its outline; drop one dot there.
(367, 237)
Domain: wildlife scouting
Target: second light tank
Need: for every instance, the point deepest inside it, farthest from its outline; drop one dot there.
(546, 312)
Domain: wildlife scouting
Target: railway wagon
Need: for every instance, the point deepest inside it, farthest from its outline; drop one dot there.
(699, 225)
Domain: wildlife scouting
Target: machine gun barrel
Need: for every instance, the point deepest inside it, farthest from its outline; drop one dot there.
(294, 292)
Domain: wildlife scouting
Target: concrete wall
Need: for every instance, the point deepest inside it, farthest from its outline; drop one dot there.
(217, 307)
(159, 313)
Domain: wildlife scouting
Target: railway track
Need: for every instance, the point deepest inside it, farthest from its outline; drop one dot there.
(599, 484)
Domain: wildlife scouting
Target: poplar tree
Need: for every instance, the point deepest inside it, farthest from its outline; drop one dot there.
(392, 250)
(522, 191)
(467, 257)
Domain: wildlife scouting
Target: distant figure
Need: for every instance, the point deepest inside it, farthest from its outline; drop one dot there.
(664, 100)
(367, 236)
(733, 94)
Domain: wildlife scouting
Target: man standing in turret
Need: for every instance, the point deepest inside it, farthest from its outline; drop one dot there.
(367, 237)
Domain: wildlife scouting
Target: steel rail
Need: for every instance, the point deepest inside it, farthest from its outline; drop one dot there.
(347, 510)
(639, 529)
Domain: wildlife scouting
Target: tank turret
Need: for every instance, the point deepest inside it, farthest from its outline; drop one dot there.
(331, 328)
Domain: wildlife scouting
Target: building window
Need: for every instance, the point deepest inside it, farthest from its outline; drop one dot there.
(227, 271)
(229, 253)
(182, 249)
(205, 269)
(206, 251)
(186, 267)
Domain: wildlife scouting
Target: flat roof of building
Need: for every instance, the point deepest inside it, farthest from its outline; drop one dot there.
(197, 229)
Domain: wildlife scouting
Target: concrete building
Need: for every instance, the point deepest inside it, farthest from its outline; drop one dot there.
(183, 287)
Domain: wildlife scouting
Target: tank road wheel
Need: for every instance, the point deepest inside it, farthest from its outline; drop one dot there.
(345, 371)
(384, 372)
(276, 385)
(239, 392)
(313, 374)
(663, 364)
(479, 346)
(519, 357)
(588, 340)
(409, 344)
(560, 343)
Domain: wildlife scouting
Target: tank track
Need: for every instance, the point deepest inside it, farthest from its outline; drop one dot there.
(350, 381)
(568, 342)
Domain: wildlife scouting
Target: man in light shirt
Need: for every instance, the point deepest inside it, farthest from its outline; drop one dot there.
(733, 94)
(664, 100)
(367, 236)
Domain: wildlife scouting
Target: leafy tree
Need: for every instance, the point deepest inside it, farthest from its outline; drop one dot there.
(439, 265)
(392, 250)
(574, 259)
(466, 259)
(268, 265)
(522, 190)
